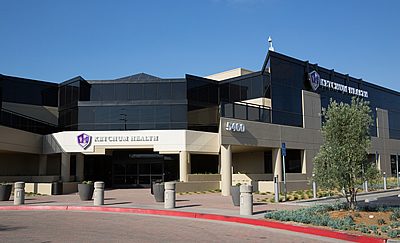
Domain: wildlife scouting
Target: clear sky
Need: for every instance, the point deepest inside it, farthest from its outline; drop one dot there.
(58, 40)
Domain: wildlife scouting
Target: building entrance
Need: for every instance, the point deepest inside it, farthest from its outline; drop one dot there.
(140, 171)
(140, 168)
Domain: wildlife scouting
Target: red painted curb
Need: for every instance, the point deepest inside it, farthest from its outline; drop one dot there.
(263, 223)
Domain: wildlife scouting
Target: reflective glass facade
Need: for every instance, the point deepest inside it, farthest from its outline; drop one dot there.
(25, 93)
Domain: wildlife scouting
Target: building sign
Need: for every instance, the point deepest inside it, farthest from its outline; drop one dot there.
(236, 127)
(84, 140)
(316, 81)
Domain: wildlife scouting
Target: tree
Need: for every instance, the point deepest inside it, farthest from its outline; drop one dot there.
(342, 161)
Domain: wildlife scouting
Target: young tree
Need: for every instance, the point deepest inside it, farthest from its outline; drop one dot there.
(342, 160)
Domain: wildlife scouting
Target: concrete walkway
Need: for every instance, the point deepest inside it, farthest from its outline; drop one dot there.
(204, 206)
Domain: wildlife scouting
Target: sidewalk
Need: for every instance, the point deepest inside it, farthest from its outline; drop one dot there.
(206, 206)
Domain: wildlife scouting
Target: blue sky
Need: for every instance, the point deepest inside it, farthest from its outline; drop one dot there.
(58, 40)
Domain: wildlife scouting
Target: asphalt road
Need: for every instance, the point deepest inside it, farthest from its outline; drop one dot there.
(73, 226)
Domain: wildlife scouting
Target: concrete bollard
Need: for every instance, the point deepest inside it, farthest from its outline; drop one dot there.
(276, 188)
(19, 193)
(246, 200)
(169, 195)
(384, 181)
(99, 193)
(366, 185)
(314, 187)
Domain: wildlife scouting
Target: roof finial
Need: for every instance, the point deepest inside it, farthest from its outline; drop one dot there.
(270, 41)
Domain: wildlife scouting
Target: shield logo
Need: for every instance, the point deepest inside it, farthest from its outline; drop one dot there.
(84, 140)
(314, 80)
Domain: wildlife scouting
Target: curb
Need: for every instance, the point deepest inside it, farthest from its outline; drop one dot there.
(256, 222)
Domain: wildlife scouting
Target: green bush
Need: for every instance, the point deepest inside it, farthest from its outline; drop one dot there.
(384, 228)
(281, 199)
(357, 215)
(381, 221)
(272, 200)
(393, 233)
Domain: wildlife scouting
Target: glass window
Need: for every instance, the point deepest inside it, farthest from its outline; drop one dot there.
(135, 91)
(95, 92)
(257, 87)
(162, 114)
(178, 113)
(133, 114)
(150, 91)
(118, 114)
(147, 114)
(102, 114)
(86, 114)
(293, 161)
(107, 92)
(164, 91)
(121, 91)
(178, 91)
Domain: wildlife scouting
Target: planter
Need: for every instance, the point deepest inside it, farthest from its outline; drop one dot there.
(5, 192)
(85, 191)
(235, 193)
(158, 191)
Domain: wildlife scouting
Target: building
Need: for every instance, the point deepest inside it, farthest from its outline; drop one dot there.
(131, 131)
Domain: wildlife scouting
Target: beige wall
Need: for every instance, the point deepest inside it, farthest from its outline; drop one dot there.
(252, 162)
(14, 140)
(19, 164)
(229, 74)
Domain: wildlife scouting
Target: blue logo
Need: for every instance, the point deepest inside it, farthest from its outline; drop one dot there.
(84, 140)
(314, 80)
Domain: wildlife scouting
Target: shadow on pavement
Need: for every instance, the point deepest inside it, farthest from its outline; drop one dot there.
(188, 206)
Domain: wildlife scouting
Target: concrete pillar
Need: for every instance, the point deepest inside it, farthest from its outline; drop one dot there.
(19, 193)
(42, 164)
(183, 165)
(169, 195)
(98, 193)
(226, 169)
(277, 161)
(80, 159)
(246, 200)
(65, 167)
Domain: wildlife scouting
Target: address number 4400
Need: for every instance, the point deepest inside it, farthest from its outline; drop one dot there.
(236, 127)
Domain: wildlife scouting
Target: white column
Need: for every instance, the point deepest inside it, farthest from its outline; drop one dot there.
(42, 164)
(80, 158)
(226, 169)
(65, 167)
(183, 165)
(277, 160)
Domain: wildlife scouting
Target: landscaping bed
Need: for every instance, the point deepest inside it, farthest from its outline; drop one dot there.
(382, 222)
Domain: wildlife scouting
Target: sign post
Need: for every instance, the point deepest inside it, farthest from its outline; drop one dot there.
(284, 169)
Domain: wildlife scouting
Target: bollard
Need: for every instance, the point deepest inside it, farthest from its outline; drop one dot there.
(246, 200)
(99, 193)
(19, 193)
(366, 185)
(169, 195)
(314, 187)
(276, 188)
(384, 181)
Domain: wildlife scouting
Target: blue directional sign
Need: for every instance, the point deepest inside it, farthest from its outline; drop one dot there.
(283, 149)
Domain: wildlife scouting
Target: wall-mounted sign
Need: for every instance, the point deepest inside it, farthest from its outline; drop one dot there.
(316, 81)
(85, 140)
(236, 127)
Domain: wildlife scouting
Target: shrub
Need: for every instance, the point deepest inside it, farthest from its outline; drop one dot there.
(393, 217)
(303, 197)
(392, 233)
(384, 228)
(289, 198)
(263, 193)
(295, 197)
(281, 199)
(272, 200)
(357, 215)
(257, 192)
(381, 221)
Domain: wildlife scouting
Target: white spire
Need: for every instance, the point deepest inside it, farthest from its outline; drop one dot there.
(270, 41)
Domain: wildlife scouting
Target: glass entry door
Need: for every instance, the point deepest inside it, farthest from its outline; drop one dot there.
(137, 173)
